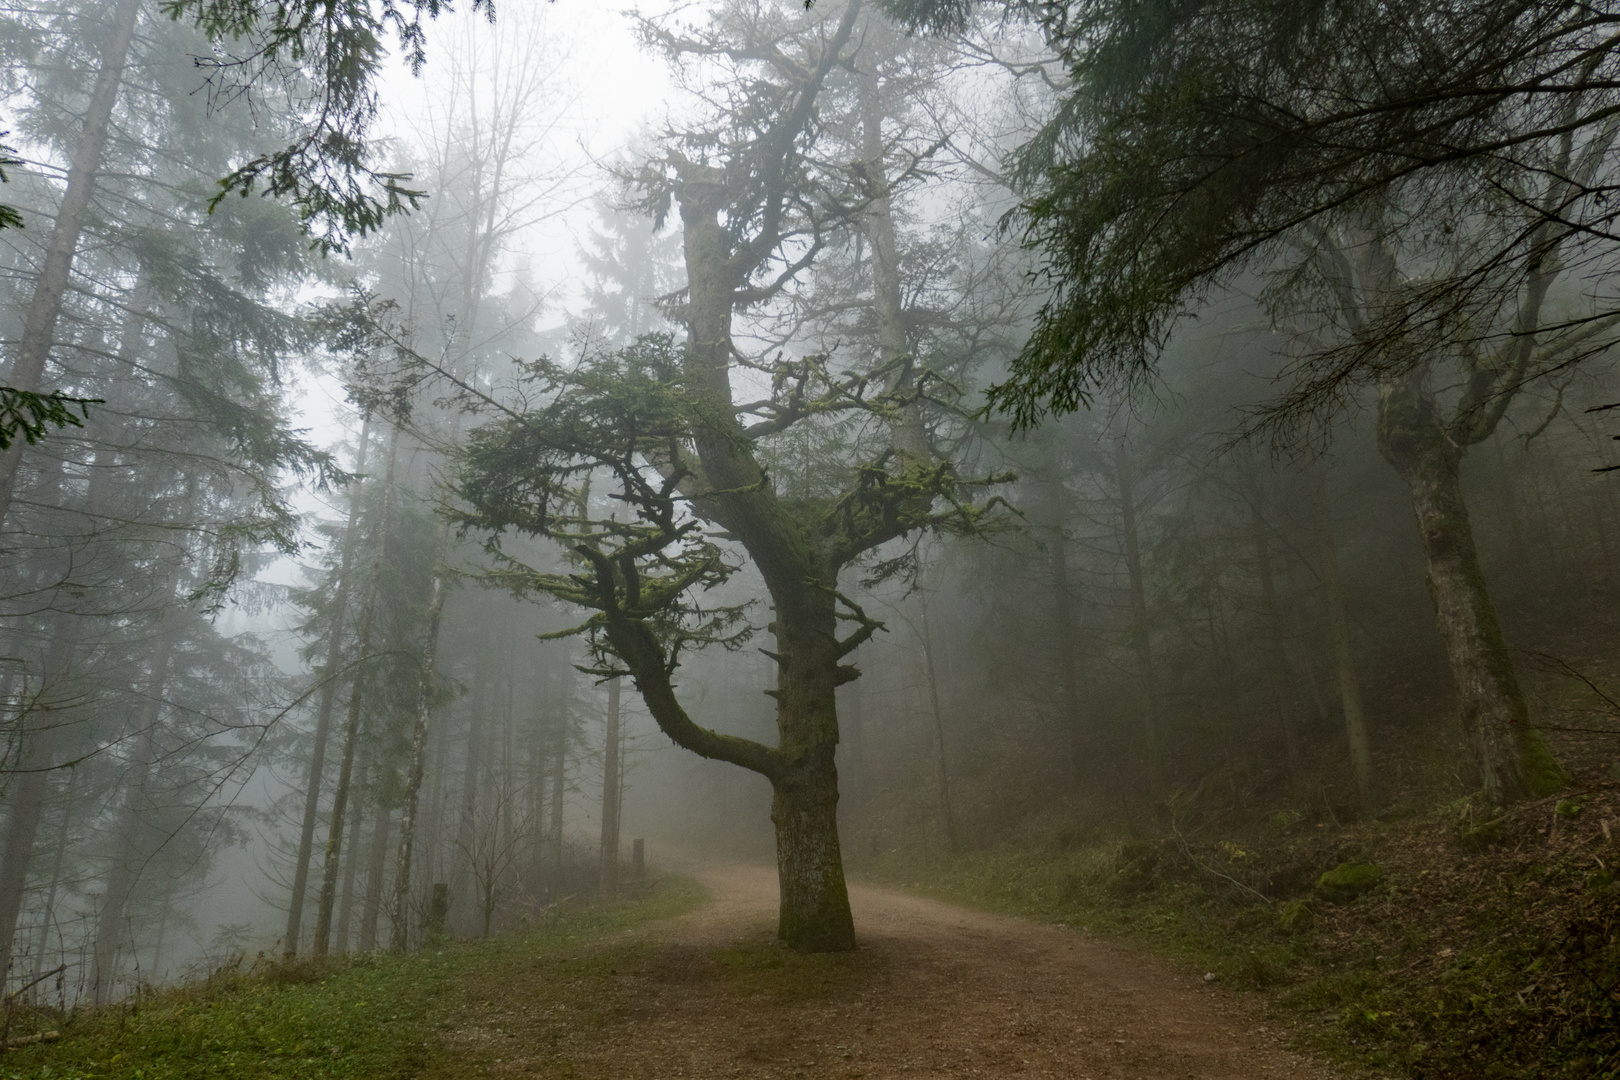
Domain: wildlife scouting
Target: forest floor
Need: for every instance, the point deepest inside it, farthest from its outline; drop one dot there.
(646, 992)
(934, 990)
(1461, 942)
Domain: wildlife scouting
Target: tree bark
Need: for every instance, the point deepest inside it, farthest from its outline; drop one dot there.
(351, 866)
(465, 877)
(375, 871)
(1140, 635)
(426, 690)
(323, 720)
(48, 915)
(133, 837)
(942, 772)
(351, 727)
(27, 794)
(1274, 641)
(609, 884)
(1514, 761)
(559, 778)
(814, 914)
(45, 306)
(1067, 645)
(1344, 659)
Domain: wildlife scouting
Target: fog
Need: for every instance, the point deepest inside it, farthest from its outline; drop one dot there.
(636, 487)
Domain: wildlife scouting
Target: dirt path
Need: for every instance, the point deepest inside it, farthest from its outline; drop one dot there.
(934, 991)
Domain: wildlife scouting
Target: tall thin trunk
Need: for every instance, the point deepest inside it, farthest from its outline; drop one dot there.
(1141, 639)
(465, 877)
(1355, 722)
(371, 914)
(559, 777)
(609, 887)
(351, 866)
(942, 773)
(539, 764)
(351, 727)
(1067, 645)
(133, 837)
(426, 690)
(323, 720)
(45, 306)
(27, 794)
(48, 916)
(1274, 641)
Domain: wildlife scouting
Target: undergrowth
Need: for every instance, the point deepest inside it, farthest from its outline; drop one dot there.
(1456, 943)
(367, 1016)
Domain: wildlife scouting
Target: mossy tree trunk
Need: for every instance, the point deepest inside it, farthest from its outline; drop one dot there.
(1513, 759)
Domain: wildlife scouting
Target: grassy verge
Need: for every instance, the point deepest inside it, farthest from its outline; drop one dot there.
(1451, 944)
(369, 1016)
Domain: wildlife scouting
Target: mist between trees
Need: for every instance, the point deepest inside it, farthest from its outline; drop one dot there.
(703, 532)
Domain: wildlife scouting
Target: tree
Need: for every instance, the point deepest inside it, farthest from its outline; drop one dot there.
(661, 423)
(1409, 208)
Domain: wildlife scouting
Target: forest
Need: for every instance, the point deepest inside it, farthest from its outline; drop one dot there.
(850, 538)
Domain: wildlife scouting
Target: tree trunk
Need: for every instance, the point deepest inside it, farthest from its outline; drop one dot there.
(559, 778)
(1067, 645)
(800, 567)
(465, 878)
(942, 772)
(1513, 760)
(45, 306)
(426, 690)
(1355, 721)
(609, 887)
(814, 914)
(351, 727)
(323, 721)
(351, 866)
(1274, 642)
(1141, 638)
(27, 794)
(375, 872)
(59, 851)
(133, 839)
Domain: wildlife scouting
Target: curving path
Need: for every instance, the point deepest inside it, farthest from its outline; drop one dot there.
(935, 991)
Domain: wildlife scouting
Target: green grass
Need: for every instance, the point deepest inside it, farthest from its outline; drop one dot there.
(369, 1016)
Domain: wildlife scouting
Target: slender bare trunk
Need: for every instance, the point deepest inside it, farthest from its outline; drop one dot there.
(1140, 636)
(609, 886)
(1274, 642)
(323, 716)
(351, 727)
(27, 793)
(351, 866)
(59, 852)
(465, 877)
(371, 914)
(942, 772)
(1067, 645)
(133, 839)
(45, 306)
(559, 777)
(426, 690)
